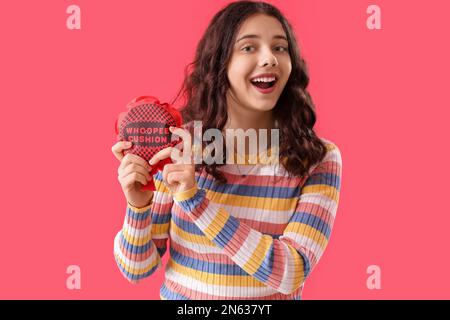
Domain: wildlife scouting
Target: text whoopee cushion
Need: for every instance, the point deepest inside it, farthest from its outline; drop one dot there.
(146, 124)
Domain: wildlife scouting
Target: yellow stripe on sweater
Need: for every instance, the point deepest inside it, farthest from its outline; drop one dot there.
(160, 186)
(216, 279)
(136, 241)
(187, 194)
(160, 229)
(252, 202)
(193, 238)
(217, 224)
(309, 232)
(139, 210)
(136, 271)
(257, 257)
(323, 189)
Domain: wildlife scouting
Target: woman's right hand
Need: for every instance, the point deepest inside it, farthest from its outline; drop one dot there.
(133, 172)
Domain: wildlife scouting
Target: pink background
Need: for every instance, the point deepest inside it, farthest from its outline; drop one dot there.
(381, 96)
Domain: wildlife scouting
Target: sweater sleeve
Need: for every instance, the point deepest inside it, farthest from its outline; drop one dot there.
(141, 243)
(284, 263)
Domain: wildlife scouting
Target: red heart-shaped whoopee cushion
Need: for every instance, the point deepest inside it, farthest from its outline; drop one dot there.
(146, 124)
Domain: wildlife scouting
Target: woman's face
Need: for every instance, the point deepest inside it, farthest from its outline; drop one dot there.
(260, 64)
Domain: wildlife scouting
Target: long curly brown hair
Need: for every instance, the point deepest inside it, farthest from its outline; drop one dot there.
(206, 84)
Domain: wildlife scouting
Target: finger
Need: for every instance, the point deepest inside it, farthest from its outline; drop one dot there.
(130, 184)
(187, 155)
(172, 178)
(177, 177)
(129, 181)
(166, 170)
(162, 154)
(118, 147)
(172, 167)
(136, 176)
(178, 167)
(132, 158)
(133, 167)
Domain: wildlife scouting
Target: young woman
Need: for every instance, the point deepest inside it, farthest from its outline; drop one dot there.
(237, 231)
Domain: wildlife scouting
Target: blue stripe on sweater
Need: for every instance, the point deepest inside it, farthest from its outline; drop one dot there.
(229, 229)
(249, 191)
(265, 269)
(330, 179)
(190, 204)
(138, 216)
(160, 218)
(187, 226)
(133, 276)
(133, 248)
(312, 221)
(205, 266)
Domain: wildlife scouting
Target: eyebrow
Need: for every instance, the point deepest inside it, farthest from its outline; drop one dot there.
(254, 36)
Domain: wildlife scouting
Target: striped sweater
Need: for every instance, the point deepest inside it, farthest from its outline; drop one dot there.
(258, 236)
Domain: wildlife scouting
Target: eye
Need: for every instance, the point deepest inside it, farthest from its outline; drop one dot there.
(247, 48)
(281, 49)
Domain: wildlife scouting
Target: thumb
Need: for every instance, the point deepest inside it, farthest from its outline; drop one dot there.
(117, 149)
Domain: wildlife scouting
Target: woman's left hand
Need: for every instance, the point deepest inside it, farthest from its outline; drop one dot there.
(178, 176)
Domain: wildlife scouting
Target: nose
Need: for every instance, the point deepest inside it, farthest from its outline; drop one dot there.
(268, 59)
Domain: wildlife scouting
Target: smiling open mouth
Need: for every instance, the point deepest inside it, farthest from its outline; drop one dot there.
(264, 83)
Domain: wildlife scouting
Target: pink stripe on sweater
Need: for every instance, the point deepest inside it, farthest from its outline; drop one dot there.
(317, 211)
(239, 237)
(205, 257)
(265, 227)
(138, 224)
(278, 265)
(136, 256)
(326, 167)
(257, 180)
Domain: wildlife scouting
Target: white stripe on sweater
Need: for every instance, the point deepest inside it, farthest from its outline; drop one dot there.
(217, 290)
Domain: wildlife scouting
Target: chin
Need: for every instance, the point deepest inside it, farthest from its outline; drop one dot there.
(263, 106)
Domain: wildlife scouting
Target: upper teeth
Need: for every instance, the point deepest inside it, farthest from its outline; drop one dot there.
(264, 79)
